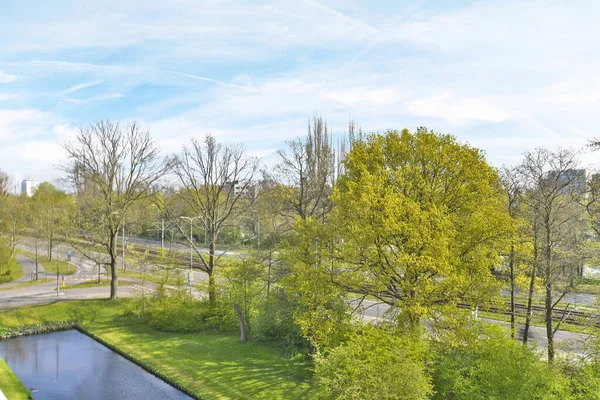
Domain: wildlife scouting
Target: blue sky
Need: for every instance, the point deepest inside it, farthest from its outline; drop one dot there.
(505, 76)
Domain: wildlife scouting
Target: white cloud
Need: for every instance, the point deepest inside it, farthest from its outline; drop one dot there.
(255, 71)
(6, 78)
(80, 86)
(457, 110)
(20, 124)
(7, 96)
(41, 152)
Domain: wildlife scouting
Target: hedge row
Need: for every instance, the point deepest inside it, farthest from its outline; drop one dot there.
(44, 327)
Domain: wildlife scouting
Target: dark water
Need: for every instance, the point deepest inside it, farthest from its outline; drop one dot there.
(70, 365)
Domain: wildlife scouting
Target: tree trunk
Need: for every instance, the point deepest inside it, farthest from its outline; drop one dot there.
(36, 257)
(240, 315)
(529, 306)
(114, 282)
(212, 297)
(512, 291)
(549, 323)
(548, 285)
(269, 274)
(531, 285)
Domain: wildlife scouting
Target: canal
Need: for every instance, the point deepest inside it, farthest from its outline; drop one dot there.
(70, 365)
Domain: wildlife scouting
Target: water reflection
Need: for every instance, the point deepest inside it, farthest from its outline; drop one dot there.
(70, 365)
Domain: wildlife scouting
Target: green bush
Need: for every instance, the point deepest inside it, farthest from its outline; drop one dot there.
(274, 323)
(494, 367)
(172, 315)
(174, 311)
(375, 363)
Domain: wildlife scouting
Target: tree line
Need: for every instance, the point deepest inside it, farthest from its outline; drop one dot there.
(414, 220)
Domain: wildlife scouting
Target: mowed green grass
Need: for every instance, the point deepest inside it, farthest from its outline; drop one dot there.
(93, 283)
(13, 272)
(11, 386)
(212, 365)
(51, 266)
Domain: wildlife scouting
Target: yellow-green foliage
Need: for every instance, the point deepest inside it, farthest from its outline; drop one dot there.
(375, 363)
(421, 216)
(494, 367)
(10, 269)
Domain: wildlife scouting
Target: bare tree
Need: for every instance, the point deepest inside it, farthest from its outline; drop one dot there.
(592, 200)
(215, 179)
(308, 167)
(5, 184)
(553, 182)
(513, 188)
(535, 262)
(111, 168)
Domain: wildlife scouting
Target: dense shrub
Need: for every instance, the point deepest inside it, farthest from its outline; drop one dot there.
(174, 311)
(583, 379)
(274, 323)
(44, 327)
(494, 367)
(375, 363)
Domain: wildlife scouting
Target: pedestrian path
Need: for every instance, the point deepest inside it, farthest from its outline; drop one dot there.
(82, 277)
(28, 266)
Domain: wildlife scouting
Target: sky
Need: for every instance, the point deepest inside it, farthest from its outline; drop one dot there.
(505, 76)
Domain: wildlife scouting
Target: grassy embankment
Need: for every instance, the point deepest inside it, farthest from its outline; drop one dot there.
(11, 386)
(212, 365)
(94, 283)
(51, 266)
(11, 273)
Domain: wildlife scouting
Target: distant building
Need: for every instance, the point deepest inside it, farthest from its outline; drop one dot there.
(29, 186)
(574, 179)
(241, 187)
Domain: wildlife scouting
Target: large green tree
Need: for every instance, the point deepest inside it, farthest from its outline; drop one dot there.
(420, 222)
(50, 213)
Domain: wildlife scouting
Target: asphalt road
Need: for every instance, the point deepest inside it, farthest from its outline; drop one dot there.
(28, 266)
(176, 245)
(46, 293)
(575, 299)
(565, 341)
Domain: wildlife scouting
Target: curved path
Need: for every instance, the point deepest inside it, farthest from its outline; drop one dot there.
(28, 265)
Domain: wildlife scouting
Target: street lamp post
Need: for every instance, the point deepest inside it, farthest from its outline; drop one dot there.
(57, 270)
(191, 249)
(124, 246)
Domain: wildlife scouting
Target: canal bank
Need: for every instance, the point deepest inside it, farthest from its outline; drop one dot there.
(71, 365)
(210, 364)
(11, 386)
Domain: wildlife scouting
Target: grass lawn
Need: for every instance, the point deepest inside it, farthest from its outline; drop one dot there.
(212, 365)
(13, 272)
(50, 266)
(27, 284)
(11, 386)
(93, 283)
